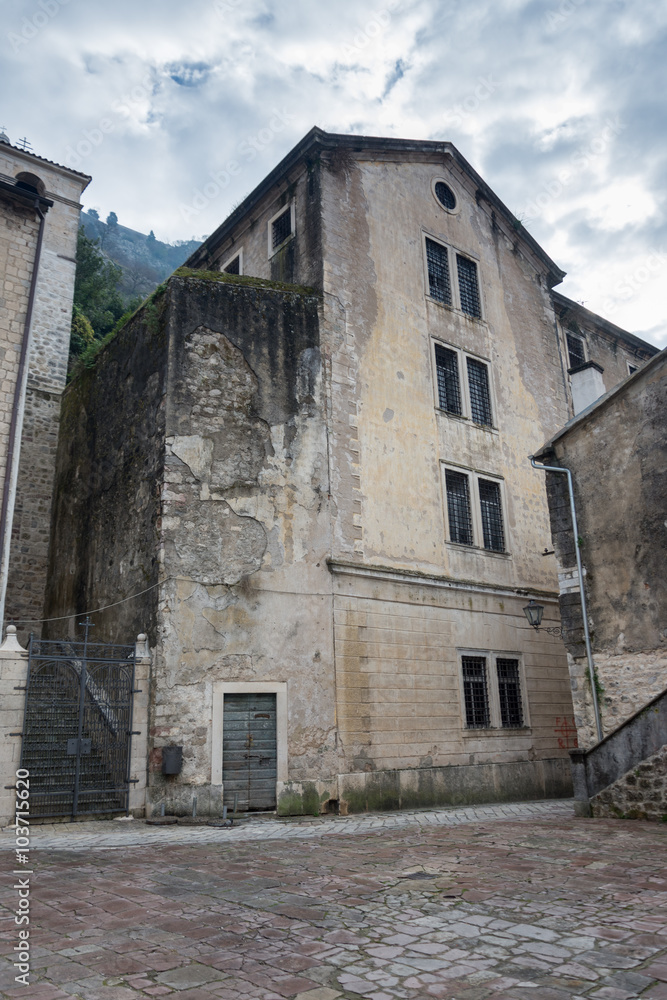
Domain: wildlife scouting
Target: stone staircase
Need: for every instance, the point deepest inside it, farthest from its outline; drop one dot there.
(625, 775)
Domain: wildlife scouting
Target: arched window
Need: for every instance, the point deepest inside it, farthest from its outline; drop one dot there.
(30, 182)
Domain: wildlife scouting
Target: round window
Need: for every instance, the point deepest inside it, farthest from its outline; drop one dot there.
(445, 196)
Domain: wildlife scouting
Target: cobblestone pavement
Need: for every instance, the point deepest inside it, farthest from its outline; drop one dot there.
(515, 902)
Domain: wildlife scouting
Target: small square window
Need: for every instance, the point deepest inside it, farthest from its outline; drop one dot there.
(468, 286)
(475, 692)
(458, 507)
(281, 228)
(449, 386)
(575, 350)
(480, 397)
(492, 515)
(439, 283)
(509, 693)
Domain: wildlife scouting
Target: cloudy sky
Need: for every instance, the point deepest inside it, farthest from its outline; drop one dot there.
(559, 104)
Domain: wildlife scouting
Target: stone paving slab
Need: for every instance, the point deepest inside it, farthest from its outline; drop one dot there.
(119, 833)
(535, 904)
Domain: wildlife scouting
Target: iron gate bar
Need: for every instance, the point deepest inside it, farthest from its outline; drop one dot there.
(80, 691)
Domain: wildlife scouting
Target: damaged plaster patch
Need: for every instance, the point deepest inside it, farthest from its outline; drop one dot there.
(219, 547)
(197, 453)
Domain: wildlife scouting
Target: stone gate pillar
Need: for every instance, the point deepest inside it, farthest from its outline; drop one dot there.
(13, 676)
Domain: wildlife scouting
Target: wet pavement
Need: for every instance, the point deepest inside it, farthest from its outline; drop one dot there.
(513, 901)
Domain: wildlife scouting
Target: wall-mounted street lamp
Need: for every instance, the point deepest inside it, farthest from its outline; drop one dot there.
(533, 612)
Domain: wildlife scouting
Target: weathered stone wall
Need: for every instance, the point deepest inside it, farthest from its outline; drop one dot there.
(300, 260)
(245, 526)
(31, 531)
(639, 794)
(47, 361)
(105, 530)
(617, 456)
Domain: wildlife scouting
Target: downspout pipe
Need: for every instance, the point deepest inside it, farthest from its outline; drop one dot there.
(16, 425)
(582, 593)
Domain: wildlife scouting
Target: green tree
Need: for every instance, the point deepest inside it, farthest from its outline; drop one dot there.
(96, 295)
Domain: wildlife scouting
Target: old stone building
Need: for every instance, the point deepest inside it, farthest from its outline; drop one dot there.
(39, 217)
(307, 457)
(616, 451)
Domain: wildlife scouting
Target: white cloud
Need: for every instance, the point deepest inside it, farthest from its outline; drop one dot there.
(525, 88)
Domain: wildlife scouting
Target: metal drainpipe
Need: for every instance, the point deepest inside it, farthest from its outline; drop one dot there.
(16, 426)
(587, 637)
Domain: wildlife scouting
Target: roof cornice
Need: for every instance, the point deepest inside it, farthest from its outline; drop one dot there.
(592, 319)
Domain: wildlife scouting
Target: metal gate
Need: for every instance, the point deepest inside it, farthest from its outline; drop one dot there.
(77, 727)
(249, 751)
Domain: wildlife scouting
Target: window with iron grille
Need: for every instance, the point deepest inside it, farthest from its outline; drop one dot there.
(575, 351)
(480, 397)
(234, 265)
(458, 507)
(468, 286)
(439, 284)
(449, 386)
(475, 692)
(445, 195)
(509, 693)
(492, 515)
(281, 228)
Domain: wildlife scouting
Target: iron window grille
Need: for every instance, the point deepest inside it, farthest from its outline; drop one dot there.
(449, 386)
(492, 515)
(509, 693)
(439, 282)
(458, 508)
(478, 387)
(475, 692)
(575, 351)
(468, 286)
(281, 228)
(445, 195)
(234, 266)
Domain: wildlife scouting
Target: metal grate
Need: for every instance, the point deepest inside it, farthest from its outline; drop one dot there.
(445, 195)
(458, 508)
(449, 388)
(475, 692)
(281, 228)
(575, 351)
(77, 726)
(468, 286)
(439, 284)
(509, 692)
(234, 266)
(480, 397)
(492, 515)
